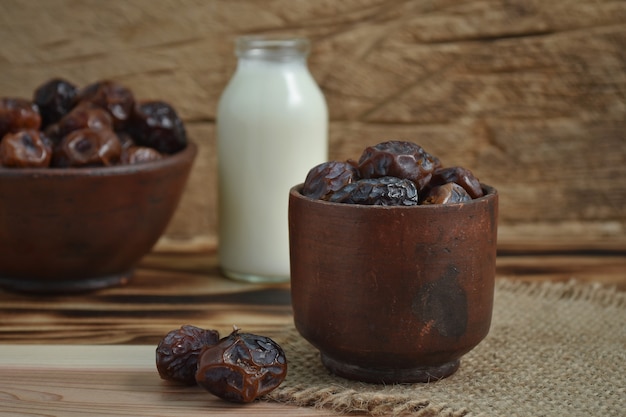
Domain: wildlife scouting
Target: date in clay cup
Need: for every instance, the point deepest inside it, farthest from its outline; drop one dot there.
(392, 294)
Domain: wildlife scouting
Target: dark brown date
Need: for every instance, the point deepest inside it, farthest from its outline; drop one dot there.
(155, 124)
(84, 116)
(177, 353)
(459, 175)
(384, 191)
(126, 140)
(111, 96)
(18, 114)
(146, 131)
(399, 159)
(328, 177)
(54, 98)
(242, 367)
(52, 132)
(25, 149)
(88, 147)
(449, 193)
(139, 154)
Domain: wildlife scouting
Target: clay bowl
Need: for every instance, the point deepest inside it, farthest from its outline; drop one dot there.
(392, 294)
(77, 229)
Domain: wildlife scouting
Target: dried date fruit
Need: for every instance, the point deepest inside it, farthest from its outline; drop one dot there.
(84, 116)
(177, 353)
(139, 154)
(391, 162)
(88, 147)
(328, 177)
(55, 99)
(18, 114)
(399, 159)
(25, 149)
(384, 191)
(59, 108)
(126, 140)
(111, 96)
(156, 124)
(242, 367)
(449, 193)
(52, 133)
(459, 175)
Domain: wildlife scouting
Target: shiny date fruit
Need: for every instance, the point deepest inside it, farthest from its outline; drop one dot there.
(111, 96)
(156, 124)
(177, 353)
(328, 177)
(459, 175)
(242, 367)
(18, 114)
(400, 159)
(25, 149)
(139, 154)
(88, 147)
(84, 116)
(126, 140)
(384, 191)
(449, 193)
(55, 99)
(52, 132)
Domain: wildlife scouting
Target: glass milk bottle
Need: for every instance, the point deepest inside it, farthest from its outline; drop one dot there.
(272, 127)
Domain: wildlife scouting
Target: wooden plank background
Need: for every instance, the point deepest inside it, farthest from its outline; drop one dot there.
(530, 95)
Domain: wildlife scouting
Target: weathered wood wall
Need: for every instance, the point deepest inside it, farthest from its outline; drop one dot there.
(530, 95)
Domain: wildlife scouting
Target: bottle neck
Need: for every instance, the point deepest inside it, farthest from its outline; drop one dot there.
(251, 49)
(246, 64)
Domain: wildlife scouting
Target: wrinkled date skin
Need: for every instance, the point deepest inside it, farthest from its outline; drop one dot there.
(384, 191)
(326, 178)
(146, 132)
(177, 353)
(242, 367)
(18, 114)
(139, 154)
(156, 124)
(115, 98)
(84, 116)
(88, 147)
(449, 193)
(459, 175)
(126, 140)
(55, 99)
(25, 149)
(399, 159)
(392, 173)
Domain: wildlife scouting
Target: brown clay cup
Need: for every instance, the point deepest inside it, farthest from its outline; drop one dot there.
(65, 230)
(392, 294)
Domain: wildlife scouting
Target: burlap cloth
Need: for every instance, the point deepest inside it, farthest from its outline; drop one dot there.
(553, 350)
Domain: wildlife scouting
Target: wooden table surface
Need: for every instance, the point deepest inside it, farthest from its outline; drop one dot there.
(93, 354)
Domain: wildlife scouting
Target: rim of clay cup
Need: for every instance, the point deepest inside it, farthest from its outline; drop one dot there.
(490, 192)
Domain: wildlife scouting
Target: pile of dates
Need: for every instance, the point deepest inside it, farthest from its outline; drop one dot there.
(238, 368)
(392, 173)
(99, 125)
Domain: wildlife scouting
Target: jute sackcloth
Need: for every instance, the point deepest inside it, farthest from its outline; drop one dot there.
(553, 350)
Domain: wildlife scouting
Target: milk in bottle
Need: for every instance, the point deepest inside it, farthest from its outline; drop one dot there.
(272, 127)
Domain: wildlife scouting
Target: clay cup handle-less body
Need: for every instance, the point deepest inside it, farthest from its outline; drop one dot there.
(393, 294)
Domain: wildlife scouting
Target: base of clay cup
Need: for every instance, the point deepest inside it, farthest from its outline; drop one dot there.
(68, 286)
(390, 376)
